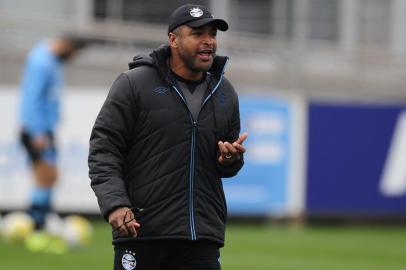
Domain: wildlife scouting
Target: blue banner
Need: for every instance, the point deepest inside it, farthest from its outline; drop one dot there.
(356, 159)
(260, 188)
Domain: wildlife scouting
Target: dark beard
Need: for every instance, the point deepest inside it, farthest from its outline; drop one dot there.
(189, 61)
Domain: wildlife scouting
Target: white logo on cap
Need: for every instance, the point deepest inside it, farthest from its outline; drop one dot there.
(196, 12)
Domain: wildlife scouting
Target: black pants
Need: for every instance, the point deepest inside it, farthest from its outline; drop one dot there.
(167, 255)
(35, 155)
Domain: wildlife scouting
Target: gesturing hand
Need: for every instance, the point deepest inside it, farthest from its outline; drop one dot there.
(122, 220)
(230, 152)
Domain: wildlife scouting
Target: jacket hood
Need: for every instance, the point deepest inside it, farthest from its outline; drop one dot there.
(158, 57)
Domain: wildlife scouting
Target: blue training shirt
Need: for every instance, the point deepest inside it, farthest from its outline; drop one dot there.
(41, 88)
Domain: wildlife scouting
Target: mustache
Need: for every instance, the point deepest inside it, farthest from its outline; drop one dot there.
(211, 51)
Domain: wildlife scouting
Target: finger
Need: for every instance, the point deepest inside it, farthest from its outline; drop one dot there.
(242, 138)
(123, 230)
(240, 148)
(223, 148)
(132, 228)
(133, 223)
(231, 149)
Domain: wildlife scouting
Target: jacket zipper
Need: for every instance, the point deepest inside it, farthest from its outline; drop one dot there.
(192, 154)
(191, 168)
(191, 181)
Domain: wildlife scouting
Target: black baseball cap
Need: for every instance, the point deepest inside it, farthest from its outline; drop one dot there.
(194, 16)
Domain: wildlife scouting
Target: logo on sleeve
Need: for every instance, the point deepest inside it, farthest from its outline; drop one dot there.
(160, 90)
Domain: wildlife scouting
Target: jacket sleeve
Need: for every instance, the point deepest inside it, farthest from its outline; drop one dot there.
(108, 146)
(232, 135)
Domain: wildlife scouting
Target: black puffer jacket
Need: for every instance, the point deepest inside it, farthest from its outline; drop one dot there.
(147, 151)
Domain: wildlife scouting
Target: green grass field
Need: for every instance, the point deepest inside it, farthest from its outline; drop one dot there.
(250, 247)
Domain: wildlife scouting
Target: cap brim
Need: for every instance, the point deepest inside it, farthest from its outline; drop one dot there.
(218, 23)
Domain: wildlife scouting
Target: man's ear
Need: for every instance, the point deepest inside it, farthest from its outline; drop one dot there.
(173, 40)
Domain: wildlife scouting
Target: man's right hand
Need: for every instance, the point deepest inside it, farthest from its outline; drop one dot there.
(122, 220)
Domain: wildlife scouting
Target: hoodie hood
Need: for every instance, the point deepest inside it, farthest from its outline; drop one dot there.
(158, 57)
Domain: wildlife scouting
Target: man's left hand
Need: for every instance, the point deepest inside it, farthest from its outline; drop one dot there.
(231, 152)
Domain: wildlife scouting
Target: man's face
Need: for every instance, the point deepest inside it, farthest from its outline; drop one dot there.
(197, 46)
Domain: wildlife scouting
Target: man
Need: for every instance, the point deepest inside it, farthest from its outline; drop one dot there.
(39, 113)
(165, 136)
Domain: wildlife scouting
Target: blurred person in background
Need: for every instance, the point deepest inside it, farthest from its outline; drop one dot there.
(167, 133)
(40, 98)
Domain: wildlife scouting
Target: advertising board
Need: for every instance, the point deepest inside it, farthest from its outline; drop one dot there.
(356, 159)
